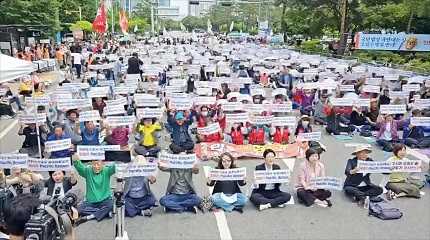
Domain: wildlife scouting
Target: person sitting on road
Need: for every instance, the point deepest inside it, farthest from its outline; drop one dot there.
(312, 167)
(180, 193)
(58, 184)
(357, 185)
(99, 105)
(414, 136)
(71, 127)
(303, 125)
(30, 145)
(148, 144)
(59, 134)
(269, 195)
(24, 181)
(139, 199)
(118, 136)
(98, 197)
(90, 134)
(387, 134)
(205, 118)
(181, 139)
(402, 184)
(6, 108)
(11, 97)
(227, 194)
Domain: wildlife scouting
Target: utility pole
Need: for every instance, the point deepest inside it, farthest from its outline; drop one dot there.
(152, 18)
(343, 23)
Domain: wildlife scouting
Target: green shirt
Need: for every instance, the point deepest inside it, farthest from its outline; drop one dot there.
(97, 185)
(396, 177)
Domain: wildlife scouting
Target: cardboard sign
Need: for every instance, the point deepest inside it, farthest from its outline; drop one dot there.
(58, 145)
(371, 89)
(114, 110)
(67, 104)
(127, 170)
(389, 166)
(204, 100)
(282, 108)
(272, 176)
(261, 120)
(210, 129)
(98, 92)
(333, 183)
(411, 88)
(181, 161)
(115, 121)
(420, 121)
(346, 88)
(51, 164)
(392, 109)
(231, 174)
(237, 117)
(92, 115)
(284, 121)
(11, 160)
(95, 152)
(31, 118)
(149, 113)
(312, 136)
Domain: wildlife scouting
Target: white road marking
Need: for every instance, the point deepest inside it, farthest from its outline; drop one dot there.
(221, 221)
(8, 128)
(290, 164)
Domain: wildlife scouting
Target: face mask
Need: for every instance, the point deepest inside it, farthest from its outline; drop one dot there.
(305, 123)
(205, 114)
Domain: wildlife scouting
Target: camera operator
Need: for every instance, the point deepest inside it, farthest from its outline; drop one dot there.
(22, 181)
(17, 214)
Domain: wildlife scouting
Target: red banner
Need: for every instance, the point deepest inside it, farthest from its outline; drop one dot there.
(99, 24)
(123, 21)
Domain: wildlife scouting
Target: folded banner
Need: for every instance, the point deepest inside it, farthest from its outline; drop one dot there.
(333, 183)
(136, 170)
(95, 152)
(92, 115)
(51, 164)
(58, 145)
(10, 160)
(115, 121)
(389, 166)
(212, 150)
(177, 161)
(273, 176)
(227, 174)
(210, 129)
(393, 109)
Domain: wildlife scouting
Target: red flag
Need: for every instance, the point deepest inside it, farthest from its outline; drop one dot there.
(123, 21)
(99, 24)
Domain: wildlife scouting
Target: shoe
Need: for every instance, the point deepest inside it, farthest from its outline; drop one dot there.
(321, 204)
(238, 209)
(329, 204)
(147, 212)
(264, 206)
(110, 214)
(390, 195)
(193, 210)
(282, 205)
(79, 221)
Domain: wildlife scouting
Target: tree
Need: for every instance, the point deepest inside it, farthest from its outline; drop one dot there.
(82, 25)
(141, 23)
(192, 22)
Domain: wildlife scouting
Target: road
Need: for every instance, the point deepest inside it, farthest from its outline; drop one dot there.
(345, 220)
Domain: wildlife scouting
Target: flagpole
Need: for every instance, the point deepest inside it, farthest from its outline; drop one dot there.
(113, 20)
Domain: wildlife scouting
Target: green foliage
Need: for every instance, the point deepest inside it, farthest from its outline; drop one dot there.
(142, 24)
(192, 22)
(82, 25)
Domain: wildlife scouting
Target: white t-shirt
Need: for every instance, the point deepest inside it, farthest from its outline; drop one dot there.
(59, 185)
(269, 186)
(77, 58)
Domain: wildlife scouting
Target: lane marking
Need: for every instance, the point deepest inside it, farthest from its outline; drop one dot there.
(290, 164)
(221, 220)
(8, 128)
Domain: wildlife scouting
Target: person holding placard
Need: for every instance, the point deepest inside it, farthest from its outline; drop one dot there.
(303, 125)
(387, 134)
(181, 139)
(304, 98)
(119, 135)
(269, 195)
(205, 118)
(59, 134)
(227, 194)
(312, 167)
(99, 105)
(414, 136)
(357, 185)
(30, 145)
(71, 126)
(90, 134)
(180, 193)
(98, 197)
(139, 199)
(372, 113)
(147, 129)
(58, 184)
(402, 184)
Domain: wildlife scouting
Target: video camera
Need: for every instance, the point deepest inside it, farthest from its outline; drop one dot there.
(52, 221)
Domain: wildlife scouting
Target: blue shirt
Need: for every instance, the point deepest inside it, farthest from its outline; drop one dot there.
(61, 153)
(90, 138)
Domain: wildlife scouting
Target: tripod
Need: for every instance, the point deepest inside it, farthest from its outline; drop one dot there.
(119, 211)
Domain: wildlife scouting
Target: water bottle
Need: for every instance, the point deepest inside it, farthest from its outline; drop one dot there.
(366, 202)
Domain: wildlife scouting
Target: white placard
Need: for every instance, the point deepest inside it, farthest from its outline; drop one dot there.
(346, 88)
(95, 152)
(237, 117)
(72, 87)
(328, 85)
(210, 129)
(389, 166)
(98, 92)
(57, 96)
(51, 164)
(279, 91)
(146, 100)
(371, 89)
(420, 121)
(178, 82)
(272, 176)
(358, 144)
(38, 101)
(181, 161)
(231, 174)
(232, 106)
(284, 121)
(124, 89)
(399, 94)
(308, 85)
(67, 104)
(361, 102)
(342, 101)
(257, 91)
(119, 101)
(411, 87)
(333, 183)
(174, 89)
(393, 109)
(282, 108)
(136, 170)
(92, 115)
(181, 103)
(114, 110)
(422, 103)
(256, 108)
(149, 113)
(243, 80)
(374, 81)
(312, 136)
(26, 118)
(115, 121)
(10, 160)
(204, 100)
(261, 120)
(58, 145)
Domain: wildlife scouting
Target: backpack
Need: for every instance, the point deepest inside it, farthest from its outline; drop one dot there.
(384, 211)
